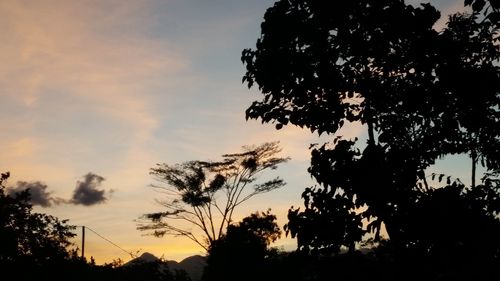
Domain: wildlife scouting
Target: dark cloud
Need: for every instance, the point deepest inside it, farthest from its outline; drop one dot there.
(86, 192)
(38, 192)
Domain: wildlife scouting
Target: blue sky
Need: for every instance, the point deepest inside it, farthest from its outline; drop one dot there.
(113, 87)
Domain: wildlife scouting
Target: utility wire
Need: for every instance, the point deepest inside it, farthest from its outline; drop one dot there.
(111, 242)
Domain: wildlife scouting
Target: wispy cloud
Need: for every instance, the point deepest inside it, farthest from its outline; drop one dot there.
(78, 81)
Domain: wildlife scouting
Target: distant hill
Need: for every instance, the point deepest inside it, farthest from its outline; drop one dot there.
(193, 265)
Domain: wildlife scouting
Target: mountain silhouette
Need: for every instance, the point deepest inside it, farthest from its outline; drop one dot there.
(193, 265)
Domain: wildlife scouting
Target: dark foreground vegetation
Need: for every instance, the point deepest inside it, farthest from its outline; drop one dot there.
(422, 92)
(36, 246)
(376, 214)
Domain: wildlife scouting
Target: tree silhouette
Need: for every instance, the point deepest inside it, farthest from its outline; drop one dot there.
(469, 74)
(241, 253)
(34, 245)
(205, 194)
(420, 93)
(37, 246)
(28, 236)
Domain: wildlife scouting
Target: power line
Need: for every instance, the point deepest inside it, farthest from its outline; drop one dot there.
(111, 242)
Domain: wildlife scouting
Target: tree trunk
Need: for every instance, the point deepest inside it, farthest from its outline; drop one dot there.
(473, 156)
(371, 136)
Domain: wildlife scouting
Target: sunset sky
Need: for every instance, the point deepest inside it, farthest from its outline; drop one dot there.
(96, 92)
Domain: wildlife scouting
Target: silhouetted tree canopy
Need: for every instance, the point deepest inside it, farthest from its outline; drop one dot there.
(205, 194)
(36, 246)
(29, 237)
(421, 94)
(242, 252)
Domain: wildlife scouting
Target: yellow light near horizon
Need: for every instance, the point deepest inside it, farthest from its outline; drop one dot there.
(168, 248)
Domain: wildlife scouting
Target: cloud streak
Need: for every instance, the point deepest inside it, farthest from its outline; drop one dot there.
(71, 69)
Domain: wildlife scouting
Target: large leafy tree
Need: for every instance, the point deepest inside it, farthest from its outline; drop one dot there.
(201, 196)
(30, 239)
(420, 93)
(243, 249)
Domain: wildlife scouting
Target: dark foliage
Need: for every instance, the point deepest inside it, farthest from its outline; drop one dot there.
(27, 237)
(244, 253)
(37, 246)
(422, 94)
(153, 270)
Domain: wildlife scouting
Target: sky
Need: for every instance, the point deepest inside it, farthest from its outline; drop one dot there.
(96, 92)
